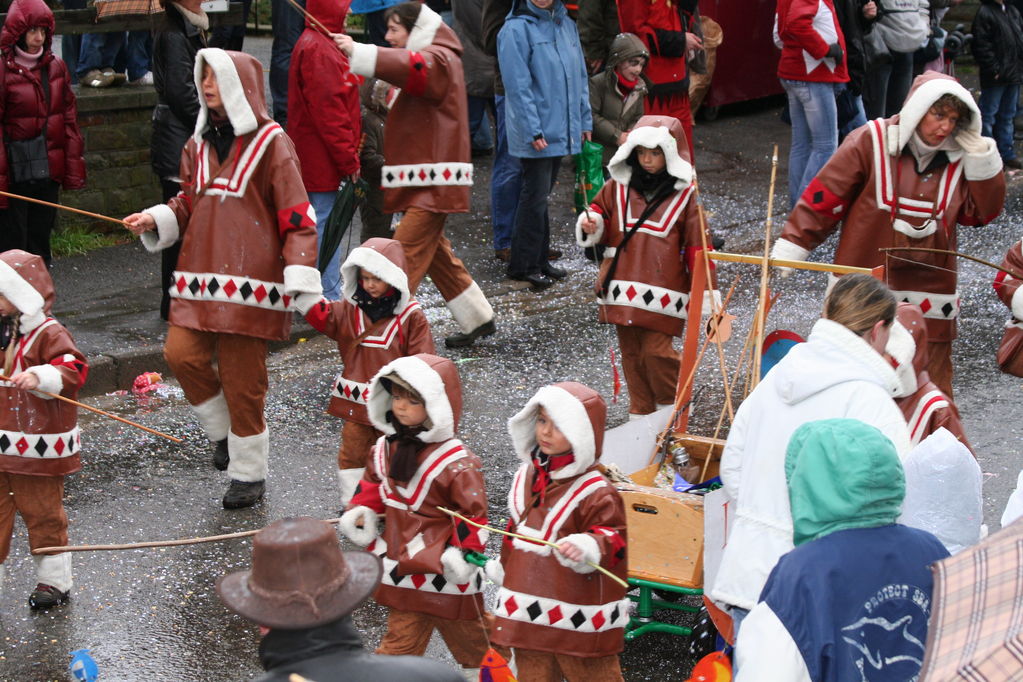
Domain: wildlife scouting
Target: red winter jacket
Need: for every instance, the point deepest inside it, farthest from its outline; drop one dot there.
(22, 104)
(803, 30)
(323, 102)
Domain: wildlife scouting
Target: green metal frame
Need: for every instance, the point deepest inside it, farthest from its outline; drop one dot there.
(643, 622)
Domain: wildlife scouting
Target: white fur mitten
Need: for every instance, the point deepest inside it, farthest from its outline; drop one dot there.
(783, 249)
(494, 570)
(982, 160)
(971, 141)
(456, 568)
(353, 518)
(588, 545)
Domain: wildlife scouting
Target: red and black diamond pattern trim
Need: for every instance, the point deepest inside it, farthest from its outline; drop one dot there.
(469, 537)
(823, 200)
(295, 217)
(647, 297)
(562, 615)
(424, 582)
(427, 174)
(205, 286)
(934, 306)
(40, 445)
(350, 390)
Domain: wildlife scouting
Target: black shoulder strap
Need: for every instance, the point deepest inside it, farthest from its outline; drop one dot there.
(647, 212)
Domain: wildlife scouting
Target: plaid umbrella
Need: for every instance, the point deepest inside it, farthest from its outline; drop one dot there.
(977, 613)
(348, 198)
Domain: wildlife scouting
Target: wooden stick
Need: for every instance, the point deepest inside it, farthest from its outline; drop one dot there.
(958, 255)
(765, 273)
(458, 516)
(62, 207)
(714, 320)
(99, 411)
(155, 543)
(309, 16)
(794, 264)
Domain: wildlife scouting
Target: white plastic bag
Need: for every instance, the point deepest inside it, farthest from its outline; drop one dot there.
(1014, 507)
(943, 491)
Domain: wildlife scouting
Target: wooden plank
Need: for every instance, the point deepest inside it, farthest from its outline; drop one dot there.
(665, 534)
(795, 264)
(80, 21)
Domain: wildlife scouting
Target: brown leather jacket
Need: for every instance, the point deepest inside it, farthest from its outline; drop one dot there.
(426, 140)
(39, 435)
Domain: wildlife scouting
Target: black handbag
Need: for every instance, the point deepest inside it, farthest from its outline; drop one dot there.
(27, 160)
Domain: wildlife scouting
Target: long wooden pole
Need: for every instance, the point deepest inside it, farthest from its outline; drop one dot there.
(62, 207)
(538, 541)
(155, 543)
(99, 411)
(714, 318)
(794, 264)
(765, 273)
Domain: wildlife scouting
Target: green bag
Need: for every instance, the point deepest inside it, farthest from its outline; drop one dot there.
(589, 174)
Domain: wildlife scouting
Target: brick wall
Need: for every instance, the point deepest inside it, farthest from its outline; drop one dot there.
(115, 123)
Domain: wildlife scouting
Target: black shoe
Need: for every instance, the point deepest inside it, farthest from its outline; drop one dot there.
(463, 339)
(45, 596)
(241, 494)
(536, 280)
(717, 242)
(553, 272)
(220, 455)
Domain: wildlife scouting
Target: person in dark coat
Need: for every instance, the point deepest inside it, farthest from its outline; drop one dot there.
(175, 43)
(376, 97)
(37, 100)
(301, 591)
(998, 48)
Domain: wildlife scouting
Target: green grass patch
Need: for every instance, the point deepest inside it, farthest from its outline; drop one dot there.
(77, 240)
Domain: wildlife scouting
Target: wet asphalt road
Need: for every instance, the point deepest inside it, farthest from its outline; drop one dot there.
(153, 614)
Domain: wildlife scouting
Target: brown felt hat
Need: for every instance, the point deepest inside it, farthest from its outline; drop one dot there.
(300, 578)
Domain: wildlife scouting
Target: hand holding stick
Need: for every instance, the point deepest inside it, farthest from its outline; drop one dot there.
(91, 409)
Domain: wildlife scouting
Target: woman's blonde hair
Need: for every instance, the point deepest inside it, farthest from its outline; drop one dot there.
(858, 302)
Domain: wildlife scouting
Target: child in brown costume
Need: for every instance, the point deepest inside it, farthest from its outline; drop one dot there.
(375, 323)
(647, 217)
(39, 437)
(562, 618)
(416, 467)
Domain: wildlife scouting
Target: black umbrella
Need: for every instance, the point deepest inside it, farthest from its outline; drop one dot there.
(349, 196)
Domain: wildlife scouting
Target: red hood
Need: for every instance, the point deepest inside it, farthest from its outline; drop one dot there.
(25, 282)
(655, 131)
(240, 79)
(330, 13)
(436, 380)
(23, 15)
(383, 258)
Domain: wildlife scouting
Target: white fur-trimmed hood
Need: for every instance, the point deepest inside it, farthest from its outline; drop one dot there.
(927, 89)
(424, 30)
(655, 131)
(25, 282)
(240, 80)
(436, 380)
(383, 258)
(579, 413)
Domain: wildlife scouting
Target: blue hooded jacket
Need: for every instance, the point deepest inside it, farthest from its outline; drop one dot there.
(545, 81)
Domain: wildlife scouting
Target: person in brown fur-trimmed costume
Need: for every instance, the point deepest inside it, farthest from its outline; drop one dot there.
(248, 258)
(39, 437)
(644, 280)
(417, 466)
(561, 616)
(924, 405)
(375, 323)
(905, 181)
(426, 147)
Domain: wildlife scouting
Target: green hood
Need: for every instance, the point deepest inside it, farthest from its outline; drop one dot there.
(842, 473)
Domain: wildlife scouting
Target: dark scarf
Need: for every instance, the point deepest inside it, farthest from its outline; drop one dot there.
(220, 134)
(406, 456)
(543, 465)
(376, 308)
(624, 86)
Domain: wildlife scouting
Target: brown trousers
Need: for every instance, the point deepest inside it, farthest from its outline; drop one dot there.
(240, 373)
(651, 367)
(540, 666)
(356, 445)
(428, 252)
(408, 634)
(40, 501)
(939, 365)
